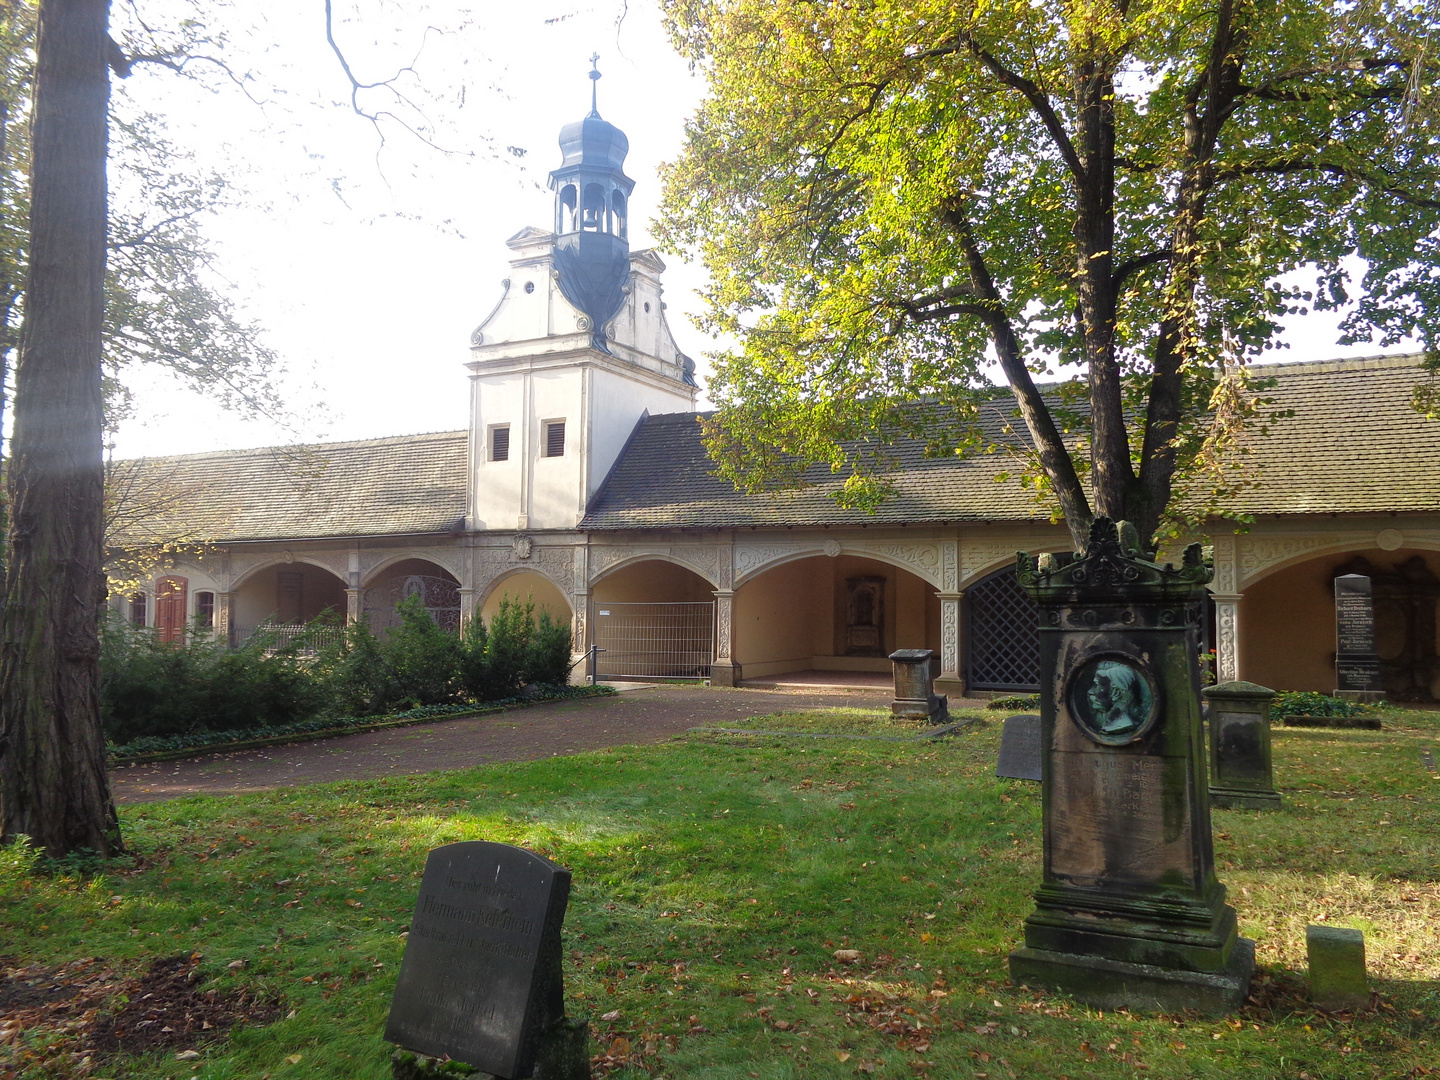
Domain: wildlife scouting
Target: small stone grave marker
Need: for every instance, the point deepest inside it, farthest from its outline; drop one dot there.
(1020, 748)
(481, 978)
(1427, 758)
(1337, 968)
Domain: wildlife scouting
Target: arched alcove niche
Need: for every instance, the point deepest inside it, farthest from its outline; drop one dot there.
(1287, 622)
(526, 586)
(841, 613)
(284, 595)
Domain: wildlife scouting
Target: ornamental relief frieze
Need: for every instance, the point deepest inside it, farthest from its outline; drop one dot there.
(751, 558)
(450, 560)
(922, 559)
(704, 559)
(555, 563)
(241, 566)
(980, 557)
(1257, 554)
(1225, 580)
(949, 565)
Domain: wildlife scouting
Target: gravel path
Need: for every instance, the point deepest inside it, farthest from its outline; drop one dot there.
(648, 715)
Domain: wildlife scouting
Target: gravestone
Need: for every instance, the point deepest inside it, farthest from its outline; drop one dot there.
(1337, 967)
(915, 697)
(1129, 912)
(1020, 748)
(481, 978)
(1357, 665)
(1241, 772)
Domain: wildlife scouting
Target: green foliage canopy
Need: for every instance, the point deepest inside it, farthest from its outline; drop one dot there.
(886, 191)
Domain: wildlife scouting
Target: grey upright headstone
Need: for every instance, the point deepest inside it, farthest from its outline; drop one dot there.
(481, 978)
(1357, 666)
(1020, 748)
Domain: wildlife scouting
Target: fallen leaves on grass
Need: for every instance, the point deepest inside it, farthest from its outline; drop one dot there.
(85, 1010)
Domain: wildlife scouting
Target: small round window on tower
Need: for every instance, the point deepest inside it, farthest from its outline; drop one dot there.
(647, 307)
(529, 286)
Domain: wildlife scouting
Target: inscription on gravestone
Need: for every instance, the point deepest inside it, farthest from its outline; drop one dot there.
(481, 978)
(1020, 748)
(1357, 667)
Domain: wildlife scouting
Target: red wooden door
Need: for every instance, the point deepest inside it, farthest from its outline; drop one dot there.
(170, 608)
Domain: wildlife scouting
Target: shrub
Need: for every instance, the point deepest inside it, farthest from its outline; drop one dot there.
(356, 673)
(1015, 701)
(514, 650)
(151, 687)
(423, 660)
(549, 659)
(1311, 703)
(507, 649)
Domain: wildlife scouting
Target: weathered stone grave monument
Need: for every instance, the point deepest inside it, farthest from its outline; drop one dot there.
(1129, 911)
(915, 697)
(1357, 665)
(481, 979)
(1020, 755)
(1242, 774)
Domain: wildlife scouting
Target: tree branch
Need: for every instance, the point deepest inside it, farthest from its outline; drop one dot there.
(1054, 457)
(1039, 102)
(1131, 266)
(1298, 165)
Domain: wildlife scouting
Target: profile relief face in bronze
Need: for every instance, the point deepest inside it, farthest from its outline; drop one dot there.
(1112, 700)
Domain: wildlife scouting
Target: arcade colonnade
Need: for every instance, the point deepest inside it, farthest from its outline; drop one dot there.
(784, 599)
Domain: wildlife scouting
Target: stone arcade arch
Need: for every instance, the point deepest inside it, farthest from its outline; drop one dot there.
(283, 597)
(654, 619)
(840, 613)
(1002, 635)
(436, 587)
(1286, 620)
(526, 586)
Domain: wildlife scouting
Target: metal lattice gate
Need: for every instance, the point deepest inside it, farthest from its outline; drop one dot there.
(1003, 635)
(654, 641)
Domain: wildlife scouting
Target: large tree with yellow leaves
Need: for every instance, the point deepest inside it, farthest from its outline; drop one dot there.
(894, 195)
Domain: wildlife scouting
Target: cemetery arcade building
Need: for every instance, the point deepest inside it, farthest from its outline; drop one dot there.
(582, 482)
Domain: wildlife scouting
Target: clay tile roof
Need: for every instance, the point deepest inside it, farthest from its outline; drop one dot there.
(402, 485)
(1354, 445)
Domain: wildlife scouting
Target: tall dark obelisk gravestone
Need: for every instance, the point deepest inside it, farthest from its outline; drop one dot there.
(1129, 912)
(481, 979)
(1357, 665)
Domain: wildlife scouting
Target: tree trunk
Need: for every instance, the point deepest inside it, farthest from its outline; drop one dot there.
(53, 784)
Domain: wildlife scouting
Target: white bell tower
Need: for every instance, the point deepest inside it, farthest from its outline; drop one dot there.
(574, 353)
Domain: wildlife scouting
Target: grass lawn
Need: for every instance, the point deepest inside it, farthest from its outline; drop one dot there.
(715, 877)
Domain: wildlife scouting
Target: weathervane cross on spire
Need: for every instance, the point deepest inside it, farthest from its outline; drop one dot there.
(594, 82)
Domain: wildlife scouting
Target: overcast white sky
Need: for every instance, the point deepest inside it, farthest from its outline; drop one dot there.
(368, 267)
(369, 270)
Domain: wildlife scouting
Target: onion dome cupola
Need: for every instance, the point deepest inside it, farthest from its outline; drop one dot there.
(592, 199)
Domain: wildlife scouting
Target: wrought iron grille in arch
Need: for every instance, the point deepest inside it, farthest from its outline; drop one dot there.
(1002, 634)
(440, 595)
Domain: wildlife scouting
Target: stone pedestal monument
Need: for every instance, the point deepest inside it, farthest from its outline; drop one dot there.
(1242, 775)
(1129, 912)
(915, 697)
